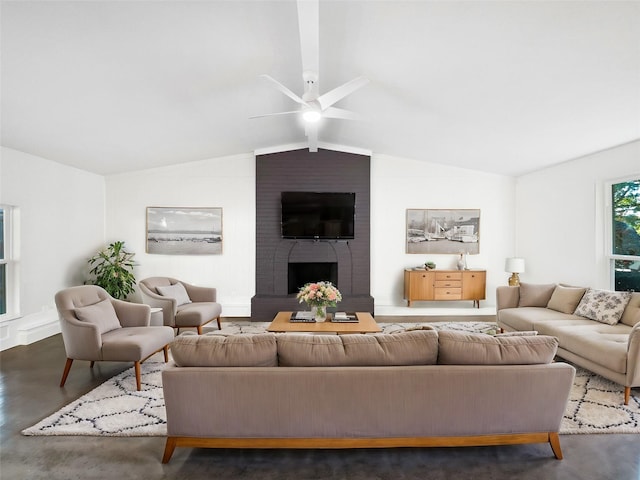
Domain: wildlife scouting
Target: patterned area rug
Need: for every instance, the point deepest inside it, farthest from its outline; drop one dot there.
(117, 409)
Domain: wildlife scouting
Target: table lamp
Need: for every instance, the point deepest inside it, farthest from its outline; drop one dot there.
(514, 265)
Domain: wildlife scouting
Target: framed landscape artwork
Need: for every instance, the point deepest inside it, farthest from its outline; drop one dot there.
(443, 231)
(184, 231)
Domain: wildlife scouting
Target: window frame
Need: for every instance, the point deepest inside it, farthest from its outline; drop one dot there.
(9, 259)
(609, 219)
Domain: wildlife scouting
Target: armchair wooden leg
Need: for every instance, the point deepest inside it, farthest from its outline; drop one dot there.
(219, 326)
(627, 394)
(92, 364)
(65, 373)
(138, 380)
(199, 328)
(165, 349)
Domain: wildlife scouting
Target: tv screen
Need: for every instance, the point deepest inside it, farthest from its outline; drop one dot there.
(318, 215)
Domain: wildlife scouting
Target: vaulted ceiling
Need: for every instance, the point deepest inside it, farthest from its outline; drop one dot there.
(504, 87)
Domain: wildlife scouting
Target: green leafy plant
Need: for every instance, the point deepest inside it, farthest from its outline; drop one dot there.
(113, 268)
(429, 265)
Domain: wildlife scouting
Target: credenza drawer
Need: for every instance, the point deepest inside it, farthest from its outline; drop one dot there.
(443, 276)
(448, 284)
(448, 293)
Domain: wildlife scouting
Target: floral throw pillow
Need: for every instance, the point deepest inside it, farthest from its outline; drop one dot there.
(603, 306)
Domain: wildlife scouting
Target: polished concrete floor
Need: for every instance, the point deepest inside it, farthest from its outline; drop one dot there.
(29, 391)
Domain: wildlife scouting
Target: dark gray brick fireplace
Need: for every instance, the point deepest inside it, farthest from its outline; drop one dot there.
(323, 171)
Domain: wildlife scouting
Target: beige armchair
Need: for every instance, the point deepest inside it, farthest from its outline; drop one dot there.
(97, 327)
(183, 305)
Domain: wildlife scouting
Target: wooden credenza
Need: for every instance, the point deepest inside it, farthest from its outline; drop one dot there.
(430, 285)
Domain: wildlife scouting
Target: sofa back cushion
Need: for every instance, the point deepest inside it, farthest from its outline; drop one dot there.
(565, 299)
(535, 295)
(631, 314)
(461, 348)
(419, 347)
(191, 350)
(603, 306)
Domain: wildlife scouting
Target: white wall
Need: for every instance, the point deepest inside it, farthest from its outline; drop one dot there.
(560, 217)
(227, 182)
(61, 212)
(397, 184)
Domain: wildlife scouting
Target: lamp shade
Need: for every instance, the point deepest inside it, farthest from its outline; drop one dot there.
(514, 265)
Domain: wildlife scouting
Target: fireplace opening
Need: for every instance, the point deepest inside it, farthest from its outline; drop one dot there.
(301, 273)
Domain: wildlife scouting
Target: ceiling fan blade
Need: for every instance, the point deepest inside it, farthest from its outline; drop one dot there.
(338, 93)
(309, 26)
(284, 89)
(274, 114)
(311, 130)
(333, 112)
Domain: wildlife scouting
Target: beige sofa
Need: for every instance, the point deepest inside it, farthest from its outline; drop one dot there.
(412, 389)
(597, 330)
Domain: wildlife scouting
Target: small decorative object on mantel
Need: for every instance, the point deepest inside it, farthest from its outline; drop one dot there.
(429, 266)
(319, 296)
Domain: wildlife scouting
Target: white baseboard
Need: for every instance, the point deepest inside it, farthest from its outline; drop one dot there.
(422, 309)
(28, 329)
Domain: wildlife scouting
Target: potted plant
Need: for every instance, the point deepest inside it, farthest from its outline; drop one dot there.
(429, 265)
(113, 268)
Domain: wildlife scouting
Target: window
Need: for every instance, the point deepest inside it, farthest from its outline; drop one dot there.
(625, 235)
(8, 267)
(3, 267)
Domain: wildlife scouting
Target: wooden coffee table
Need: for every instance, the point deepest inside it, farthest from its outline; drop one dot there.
(366, 324)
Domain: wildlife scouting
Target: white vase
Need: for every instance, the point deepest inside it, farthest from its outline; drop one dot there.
(319, 313)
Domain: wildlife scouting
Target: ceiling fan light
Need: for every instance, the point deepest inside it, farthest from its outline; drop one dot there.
(311, 116)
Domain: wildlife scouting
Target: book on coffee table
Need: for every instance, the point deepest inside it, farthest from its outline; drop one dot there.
(302, 317)
(343, 317)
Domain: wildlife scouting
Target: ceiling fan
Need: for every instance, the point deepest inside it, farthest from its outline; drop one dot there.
(314, 106)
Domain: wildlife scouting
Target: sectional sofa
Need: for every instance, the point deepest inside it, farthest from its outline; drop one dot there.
(597, 329)
(411, 389)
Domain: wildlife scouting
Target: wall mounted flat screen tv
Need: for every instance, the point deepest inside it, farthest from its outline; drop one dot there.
(318, 215)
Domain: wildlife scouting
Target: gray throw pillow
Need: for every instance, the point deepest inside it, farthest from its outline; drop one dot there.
(175, 291)
(565, 299)
(535, 295)
(603, 306)
(101, 314)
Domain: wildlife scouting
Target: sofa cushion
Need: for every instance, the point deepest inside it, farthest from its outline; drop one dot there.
(191, 350)
(535, 295)
(602, 344)
(419, 347)
(175, 291)
(631, 314)
(603, 306)
(527, 318)
(101, 314)
(197, 313)
(565, 299)
(459, 348)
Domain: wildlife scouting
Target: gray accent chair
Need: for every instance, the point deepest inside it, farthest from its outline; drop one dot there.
(201, 309)
(97, 327)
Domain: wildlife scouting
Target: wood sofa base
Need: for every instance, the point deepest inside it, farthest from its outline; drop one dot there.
(468, 441)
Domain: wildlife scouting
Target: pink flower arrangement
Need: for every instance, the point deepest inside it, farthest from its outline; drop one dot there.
(319, 294)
